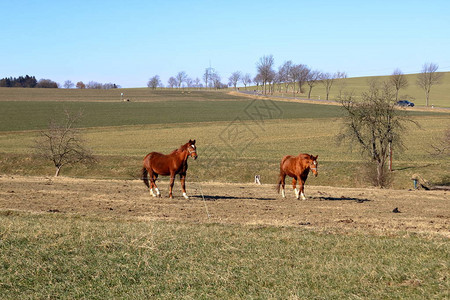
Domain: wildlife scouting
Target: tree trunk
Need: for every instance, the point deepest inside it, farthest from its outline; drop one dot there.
(57, 171)
(379, 174)
(390, 156)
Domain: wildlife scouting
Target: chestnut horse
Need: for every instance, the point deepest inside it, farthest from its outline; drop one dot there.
(298, 168)
(156, 163)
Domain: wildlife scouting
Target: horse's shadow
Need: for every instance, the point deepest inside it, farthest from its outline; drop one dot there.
(319, 198)
(342, 198)
(220, 197)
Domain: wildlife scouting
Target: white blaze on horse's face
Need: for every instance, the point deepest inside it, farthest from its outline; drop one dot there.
(313, 166)
(192, 151)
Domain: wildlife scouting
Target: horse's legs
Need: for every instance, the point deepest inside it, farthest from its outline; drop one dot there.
(183, 185)
(172, 180)
(283, 182)
(294, 186)
(152, 182)
(301, 184)
(153, 178)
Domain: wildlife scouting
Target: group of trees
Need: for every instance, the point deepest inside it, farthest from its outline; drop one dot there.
(427, 77)
(211, 79)
(293, 78)
(289, 78)
(31, 82)
(90, 85)
(27, 82)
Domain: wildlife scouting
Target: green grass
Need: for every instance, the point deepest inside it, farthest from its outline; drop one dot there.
(112, 95)
(237, 137)
(67, 257)
(121, 150)
(35, 115)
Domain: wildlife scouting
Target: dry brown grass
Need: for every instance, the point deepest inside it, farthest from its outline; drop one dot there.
(340, 210)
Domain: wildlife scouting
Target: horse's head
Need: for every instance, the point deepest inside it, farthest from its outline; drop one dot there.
(313, 165)
(192, 149)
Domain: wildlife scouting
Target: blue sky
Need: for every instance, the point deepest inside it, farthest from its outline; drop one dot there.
(127, 42)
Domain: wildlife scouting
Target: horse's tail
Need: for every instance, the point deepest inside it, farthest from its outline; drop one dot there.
(278, 186)
(145, 176)
(281, 174)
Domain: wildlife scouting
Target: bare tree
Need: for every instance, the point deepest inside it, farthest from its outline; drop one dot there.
(442, 147)
(398, 81)
(327, 80)
(208, 76)
(93, 85)
(181, 77)
(234, 78)
(259, 81)
(154, 82)
(246, 79)
(303, 72)
(294, 76)
(216, 80)
(68, 84)
(428, 77)
(312, 79)
(341, 83)
(189, 82)
(172, 82)
(80, 85)
(271, 80)
(110, 85)
(61, 143)
(284, 74)
(374, 124)
(197, 83)
(264, 67)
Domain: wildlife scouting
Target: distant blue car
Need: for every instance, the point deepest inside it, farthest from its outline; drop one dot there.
(405, 103)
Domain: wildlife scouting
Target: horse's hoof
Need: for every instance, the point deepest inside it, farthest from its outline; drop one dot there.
(185, 196)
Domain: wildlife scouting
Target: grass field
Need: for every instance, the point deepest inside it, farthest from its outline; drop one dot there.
(67, 257)
(35, 115)
(238, 137)
(83, 238)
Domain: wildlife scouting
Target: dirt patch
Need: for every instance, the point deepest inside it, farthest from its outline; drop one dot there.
(327, 208)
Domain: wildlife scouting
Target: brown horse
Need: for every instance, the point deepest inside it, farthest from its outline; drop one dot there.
(298, 168)
(156, 163)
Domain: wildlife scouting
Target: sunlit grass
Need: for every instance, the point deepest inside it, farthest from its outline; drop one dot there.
(258, 151)
(70, 257)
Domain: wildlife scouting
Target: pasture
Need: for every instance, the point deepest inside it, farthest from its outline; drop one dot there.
(96, 233)
(84, 238)
(237, 139)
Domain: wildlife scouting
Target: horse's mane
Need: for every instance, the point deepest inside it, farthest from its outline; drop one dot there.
(307, 156)
(180, 149)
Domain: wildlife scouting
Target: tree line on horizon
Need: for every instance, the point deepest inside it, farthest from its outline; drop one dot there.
(27, 82)
(288, 78)
(293, 78)
(31, 82)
